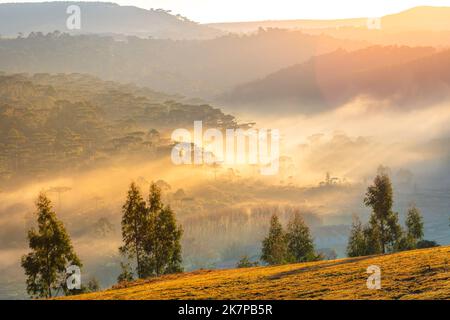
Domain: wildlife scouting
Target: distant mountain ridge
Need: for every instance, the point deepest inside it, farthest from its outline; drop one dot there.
(418, 18)
(400, 76)
(99, 18)
(192, 68)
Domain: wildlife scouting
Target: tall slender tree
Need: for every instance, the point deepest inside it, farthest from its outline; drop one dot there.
(163, 240)
(151, 234)
(164, 243)
(135, 228)
(299, 241)
(52, 252)
(372, 237)
(155, 203)
(394, 232)
(274, 246)
(414, 224)
(356, 244)
(379, 197)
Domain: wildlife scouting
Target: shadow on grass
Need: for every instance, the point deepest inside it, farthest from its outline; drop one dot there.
(317, 267)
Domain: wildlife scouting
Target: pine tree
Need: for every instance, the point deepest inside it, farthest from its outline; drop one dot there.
(379, 197)
(135, 228)
(274, 247)
(151, 234)
(299, 241)
(52, 252)
(372, 237)
(164, 243)
(414, 230)
(356, 244)
(394, 232)
(414, 224)
(154, 199)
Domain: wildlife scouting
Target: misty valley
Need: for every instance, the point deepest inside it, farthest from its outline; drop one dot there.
(231, 140)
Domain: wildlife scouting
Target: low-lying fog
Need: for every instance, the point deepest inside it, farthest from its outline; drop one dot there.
(225, 211)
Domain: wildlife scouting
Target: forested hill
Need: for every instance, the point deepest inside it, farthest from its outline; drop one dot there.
(99, 18)
(401, 77)
(49, 123)
(192, 68)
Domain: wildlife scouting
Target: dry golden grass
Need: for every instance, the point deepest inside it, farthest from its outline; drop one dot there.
(418, 274)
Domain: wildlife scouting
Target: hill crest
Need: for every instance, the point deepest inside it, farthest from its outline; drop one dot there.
(99, 18)
(417, 274)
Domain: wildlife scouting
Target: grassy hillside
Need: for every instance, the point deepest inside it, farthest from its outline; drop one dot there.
(419, 274)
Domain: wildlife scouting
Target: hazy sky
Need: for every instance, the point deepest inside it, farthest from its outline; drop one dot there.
(246, 10)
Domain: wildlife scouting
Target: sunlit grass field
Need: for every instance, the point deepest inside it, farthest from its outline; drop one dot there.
(418, 274)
